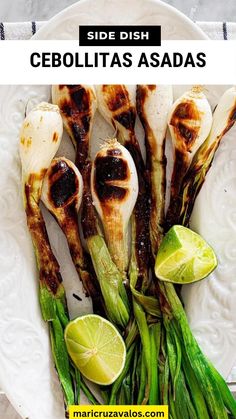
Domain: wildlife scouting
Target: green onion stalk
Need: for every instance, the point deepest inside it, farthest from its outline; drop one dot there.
(40, 136)
(153, 103)
(188, 381)
(116, 106)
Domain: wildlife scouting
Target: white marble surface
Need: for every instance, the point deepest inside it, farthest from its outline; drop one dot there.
(21, 10)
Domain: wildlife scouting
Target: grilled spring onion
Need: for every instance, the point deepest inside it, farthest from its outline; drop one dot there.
(40, 137)
(116, 105)
(114, 186)
(224, 118)
(153, 105)
(195, 389)
(62, 195)
(78, 106)
(190, 122)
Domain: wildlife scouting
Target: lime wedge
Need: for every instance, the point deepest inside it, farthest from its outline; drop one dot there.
(96, 348)
(184, 257)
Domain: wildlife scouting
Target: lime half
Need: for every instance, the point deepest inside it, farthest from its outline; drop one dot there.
(184, 257)
(96, 348)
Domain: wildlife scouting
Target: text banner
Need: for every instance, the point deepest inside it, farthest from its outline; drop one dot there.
(178, 62)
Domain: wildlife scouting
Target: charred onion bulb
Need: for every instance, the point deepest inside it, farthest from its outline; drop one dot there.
(189, 121)
(78, 105)
(116, 105)
(114, 186)
(62, 189)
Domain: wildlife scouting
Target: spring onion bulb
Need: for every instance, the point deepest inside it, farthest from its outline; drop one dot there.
(40, 137)
(114, 186)
(78, 105)
(155, 102)
(116, 105)
(224, 118)
(153, 106)
(190, 121)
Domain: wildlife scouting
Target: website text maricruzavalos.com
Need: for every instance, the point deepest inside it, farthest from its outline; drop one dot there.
(118, 411)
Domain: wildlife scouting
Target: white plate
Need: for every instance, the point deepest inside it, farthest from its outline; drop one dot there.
(27, 374)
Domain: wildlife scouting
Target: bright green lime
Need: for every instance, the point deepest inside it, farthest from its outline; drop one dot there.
(184, 257)
(96, 348)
